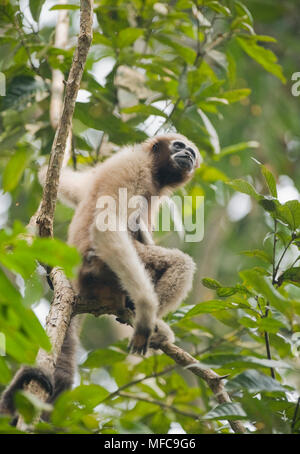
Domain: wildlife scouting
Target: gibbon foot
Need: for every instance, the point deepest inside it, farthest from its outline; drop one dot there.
(23, 377)
(161, 335)
(140, 341)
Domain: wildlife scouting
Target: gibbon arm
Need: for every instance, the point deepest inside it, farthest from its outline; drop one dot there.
(116, 249)
(146, 237)
(72, 185)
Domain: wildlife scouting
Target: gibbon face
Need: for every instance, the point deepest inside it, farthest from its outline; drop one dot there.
(175, 159)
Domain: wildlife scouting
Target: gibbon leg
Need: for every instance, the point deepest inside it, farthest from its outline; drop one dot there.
(172, 272)
(66, 362)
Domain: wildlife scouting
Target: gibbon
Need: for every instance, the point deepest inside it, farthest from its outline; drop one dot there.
(153, 280)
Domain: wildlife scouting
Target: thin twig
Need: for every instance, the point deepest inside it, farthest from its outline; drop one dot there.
(295, 261)
(139, 380)
(274, 251)
(169, 116)
(267, 341)
(161, 404)
(281, 257)
(295, 414)
(217, 41)
(227, 337)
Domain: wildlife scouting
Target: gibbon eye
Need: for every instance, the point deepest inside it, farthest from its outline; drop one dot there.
(155, 147)
(179, 145)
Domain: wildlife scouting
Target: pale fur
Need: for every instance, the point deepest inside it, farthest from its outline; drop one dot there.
(131, 260)
(129, 168)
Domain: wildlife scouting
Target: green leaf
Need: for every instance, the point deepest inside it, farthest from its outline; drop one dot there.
(263, 38)
(183, 89)
(248, 322)
(64, 6)
(270, 180)
(211, 174)
(8, 292)
(54, 252)
(145, 110)
(5, 374)
(99, 38)
(291, 275)
(25, 407)
(218, 7)
(28, 405)
(270, 324)
(34, 289)
(15, 169)
(72, 405)
(211, 306)
(128, 36)
(254, 381)
(227, 410)
(264, 286)
(103, 358)
(258, 253)
(211, 283)
(269, 204)
(267, 420)
(243, 11)
(17, 256)
(265, 57)
(231, 361)
(186, 53)
(212, 133)
(244, 187)
(237, 148)
(94, 115)
(236, 95)
(289, 213)
(36, 8)
(11, 138)
(34, 329)
(226, 291)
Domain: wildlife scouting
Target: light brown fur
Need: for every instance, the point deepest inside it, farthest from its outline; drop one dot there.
(132, 168)
(153, 280)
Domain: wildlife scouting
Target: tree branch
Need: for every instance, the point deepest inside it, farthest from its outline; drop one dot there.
(214, 381)
(62, 306)
(57, 84)
(46, 212)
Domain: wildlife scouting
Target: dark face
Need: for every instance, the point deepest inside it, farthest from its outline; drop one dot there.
(174, 161)
(183, 156)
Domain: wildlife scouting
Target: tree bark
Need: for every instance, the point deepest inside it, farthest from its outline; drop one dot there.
(62, 306)
(46, 211)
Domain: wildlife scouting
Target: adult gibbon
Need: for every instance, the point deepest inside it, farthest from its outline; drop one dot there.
(153, 280)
